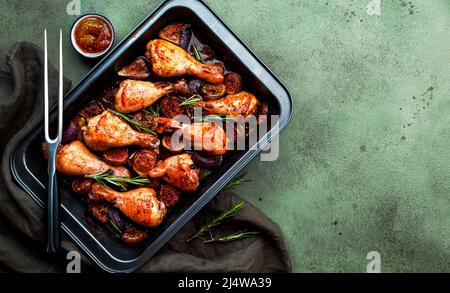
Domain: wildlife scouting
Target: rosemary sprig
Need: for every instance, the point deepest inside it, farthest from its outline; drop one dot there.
(107, 177)
(138, 124)
(237, 181)
(214, 95)
(231, 237)
(153, 112)
(114, 227)
(191, 100)
(214, 117)
(197, 54)
(218, 220)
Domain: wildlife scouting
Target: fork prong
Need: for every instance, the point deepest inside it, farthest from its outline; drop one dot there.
(46, 130)
(61, 89)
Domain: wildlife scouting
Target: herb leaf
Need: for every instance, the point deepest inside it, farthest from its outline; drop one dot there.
(214, 117)
(197, 54)
(154, 112)
(218, 220)
(106, 177)
(231, 237)
(138, 124)
(191, 101)
(237, 181)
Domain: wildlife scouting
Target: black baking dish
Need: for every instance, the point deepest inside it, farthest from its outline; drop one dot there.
(29, 168)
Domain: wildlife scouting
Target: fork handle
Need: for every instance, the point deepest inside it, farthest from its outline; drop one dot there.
(53, 205)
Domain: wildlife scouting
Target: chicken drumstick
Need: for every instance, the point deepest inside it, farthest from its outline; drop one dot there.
(178, 171)
(239, 104)
(169, 60)
(135, 95)
(209, 137)
(74, 159)
(107, 131)
(140, 205)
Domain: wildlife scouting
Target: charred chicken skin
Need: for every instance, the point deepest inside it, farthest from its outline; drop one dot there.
(135, 95)
(178, 171)
(74, 159)
(169, 60)
(239, 104)
(107, 131)
(140, 205)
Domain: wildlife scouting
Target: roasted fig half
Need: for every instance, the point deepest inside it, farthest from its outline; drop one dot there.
(82, 185)
(213, 91)
(181, 87)
(116, 157)
(233, 83)
(133, 235)
(145, 117)
(91, 110)
(170, 106)
(138, 69)
(168, 145)
(177, 33)
(143, 161)
(100, 212)
(169, 195)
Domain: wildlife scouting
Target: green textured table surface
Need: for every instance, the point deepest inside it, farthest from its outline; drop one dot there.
(364, 162)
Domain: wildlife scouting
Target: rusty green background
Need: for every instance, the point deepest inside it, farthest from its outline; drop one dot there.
(364, 163)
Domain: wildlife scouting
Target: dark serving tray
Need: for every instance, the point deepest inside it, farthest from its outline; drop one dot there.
(29, 168)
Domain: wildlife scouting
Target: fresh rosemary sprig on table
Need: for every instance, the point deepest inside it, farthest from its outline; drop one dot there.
(153, 112)
(191, 100)
(197, 54)
(138, 124)
(218, 220)
(107, 177)
(231, 237)
(237, 181)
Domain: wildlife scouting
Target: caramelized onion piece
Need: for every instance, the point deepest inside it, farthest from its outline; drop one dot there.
(169, 195)
(116, 157)
(195, 86)
(73, 132)
(206, 161)
(115, 218)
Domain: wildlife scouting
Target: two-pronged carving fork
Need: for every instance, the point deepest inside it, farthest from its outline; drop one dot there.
(53, 203)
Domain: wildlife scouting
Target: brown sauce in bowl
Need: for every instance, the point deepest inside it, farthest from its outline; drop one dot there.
(93, 34)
